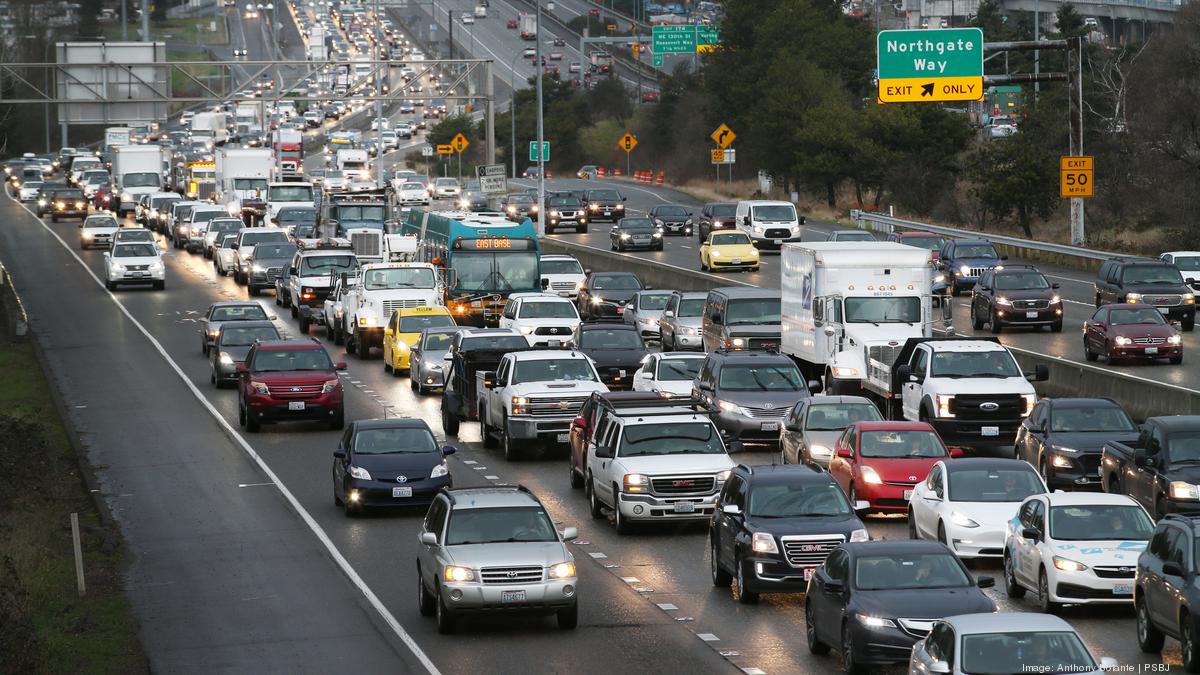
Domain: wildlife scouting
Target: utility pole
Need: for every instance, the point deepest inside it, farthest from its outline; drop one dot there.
(381, 77)
(146, 19)
(1075, 72)
(537, 35)
(1037, 53)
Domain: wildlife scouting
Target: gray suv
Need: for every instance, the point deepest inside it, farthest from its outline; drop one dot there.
(494, 548)
(750, 393)
(681, 324)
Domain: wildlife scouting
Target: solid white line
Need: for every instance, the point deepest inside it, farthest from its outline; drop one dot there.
(246, 485)
(708, 637)
(333, 551)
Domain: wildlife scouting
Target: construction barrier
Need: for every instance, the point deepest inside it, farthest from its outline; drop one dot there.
(600, 172)
(616, 172)
(661, 175)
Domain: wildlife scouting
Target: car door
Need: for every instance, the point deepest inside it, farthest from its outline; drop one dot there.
(730, 524)
(830, 597)
(842, 468)
(389, 337)
(602, 460)
(1144, 485)
(790, 437)
(925, 507)
(427, 554)
(1150, 571)
(496, 408)
(341, 464)
(911, 390)
(1029, 553)
(1162, 596)
(1032, 432)
(666, 326)
(1095, 331)
(979, 300)
(508, 317)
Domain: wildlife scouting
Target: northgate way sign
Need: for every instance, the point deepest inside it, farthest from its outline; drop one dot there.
(930, 65)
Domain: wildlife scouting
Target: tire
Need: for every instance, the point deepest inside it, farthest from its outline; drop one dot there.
(1187, 644)
(338, 421)
(295, 312)
(1176, 360)
(854, 499)
(1013, 589)
(720, 578)
(1188, 324)
(594, 505)
(485, 432)
(305, 324)
(1088, 354)
(110, 286)
(363, 349)
(446, 621)
(622, 523)
(511, 454)
(815, 646)
(745, 597)
(349, 510)
(995, 324)
(849, 665)
(582, 230)
(1160, 508)
(576, 477)
(350, 345)
(912, 526)
(1056, 327)
(450, 424)
(703, 266)
(82, 246)
(1044, 602)
(976, 322)
(954, 290)
(253, 290)
(339, 338)
(160, 285)
(330, 333)
(252, 424)
(1149, 638)
(568, 618)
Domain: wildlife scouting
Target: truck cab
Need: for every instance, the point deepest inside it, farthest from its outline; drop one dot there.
(284, 194)
(382, 289)
(1161, 469)
(311, 275)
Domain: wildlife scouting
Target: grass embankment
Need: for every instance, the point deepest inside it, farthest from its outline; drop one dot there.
(47, 627)
(193, 31)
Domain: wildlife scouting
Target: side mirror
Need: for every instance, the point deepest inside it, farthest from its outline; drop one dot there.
(1172, 569)
(904, 372)
(955, 453)
(815, 386)
(985, 582)
(830, 331)
(737, 446)
(545, 283)
(587, 271)
(834, 586)
(292, 270)
(1040, 374)
(731, 509)
(340, 365)
(647, 287)
(80, 226)
(1004, 257)
(792, 427)
(339, 454)
(668, 314)
(489, 379)
(704, 386)
(862, 505)
(1031, 534)
(646, 375)
(429, 538)
(569, 533)
(1057, 285)
(745, 220)
(603, 452)
(845, 453)
(106, 254)
(448, 450)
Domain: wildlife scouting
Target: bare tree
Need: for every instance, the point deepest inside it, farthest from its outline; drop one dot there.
(1110, 85)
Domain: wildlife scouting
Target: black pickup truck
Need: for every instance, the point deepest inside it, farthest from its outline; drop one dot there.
(1161, 470)
(459, 398)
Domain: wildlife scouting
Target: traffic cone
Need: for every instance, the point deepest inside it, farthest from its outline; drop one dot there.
(616, 172)
(661, 176)
(600, 172)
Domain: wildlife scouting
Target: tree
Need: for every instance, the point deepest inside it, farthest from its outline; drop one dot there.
(1018, 177)
(1069, 21)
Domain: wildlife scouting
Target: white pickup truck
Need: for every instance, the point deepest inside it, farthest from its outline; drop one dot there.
(533, 396)
(383, 288)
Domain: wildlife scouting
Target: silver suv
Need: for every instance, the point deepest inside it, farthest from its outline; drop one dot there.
(494, 548)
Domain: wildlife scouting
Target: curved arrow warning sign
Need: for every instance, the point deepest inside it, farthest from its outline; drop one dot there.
(628, 142)
(723, 136)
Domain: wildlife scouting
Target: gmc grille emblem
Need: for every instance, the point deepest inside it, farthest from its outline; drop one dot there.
(989, 406)
(811, 548)
(683, 483)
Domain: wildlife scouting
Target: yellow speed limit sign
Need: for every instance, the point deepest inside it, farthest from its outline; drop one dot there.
(1076, 177)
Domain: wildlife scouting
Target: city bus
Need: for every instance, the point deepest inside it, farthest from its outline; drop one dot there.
(483, 256)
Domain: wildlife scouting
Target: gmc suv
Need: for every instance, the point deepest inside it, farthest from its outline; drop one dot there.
(284, 380)
(1015, 295)
(1149, 282)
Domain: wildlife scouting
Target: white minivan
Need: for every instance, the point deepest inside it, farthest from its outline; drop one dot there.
(770, 224)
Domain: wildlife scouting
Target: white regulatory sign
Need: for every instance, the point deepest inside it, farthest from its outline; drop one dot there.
(492, 179)
(427, 151)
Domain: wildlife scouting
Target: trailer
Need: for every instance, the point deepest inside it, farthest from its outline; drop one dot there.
(527, 24)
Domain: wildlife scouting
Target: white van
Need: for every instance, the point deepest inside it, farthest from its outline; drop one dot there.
(770, 224)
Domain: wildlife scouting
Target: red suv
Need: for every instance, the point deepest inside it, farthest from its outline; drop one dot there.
(880, 462)
(285, 380)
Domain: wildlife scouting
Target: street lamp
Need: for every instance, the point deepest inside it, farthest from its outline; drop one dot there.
(537, 34)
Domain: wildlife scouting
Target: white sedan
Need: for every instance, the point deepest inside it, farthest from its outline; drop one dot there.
(98, 231)
(967, 503)
(134, 263)
(1075, 548)
(668, 373)
(1004, 642)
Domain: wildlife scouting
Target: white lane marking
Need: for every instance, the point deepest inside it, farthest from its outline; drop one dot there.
(754, 671)
(667, 607)
(708, 637)
(479, 468)
(469, 461)
(630, 580)
(492, 477)
(312, 524)
(246, 485)
(597, 555)
(685, 246)
(1078, 281)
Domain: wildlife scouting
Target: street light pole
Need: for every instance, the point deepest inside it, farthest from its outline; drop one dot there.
(379, 80)
(512, 110)
(537, 35)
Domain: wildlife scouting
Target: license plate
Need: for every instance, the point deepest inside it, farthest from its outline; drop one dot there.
(1164, 310)
(770, 426)
(512, 596)
(908, 494)
(621, 372)
(808, 572)
(737, 261)
(685, 507)
(139, 274)
(608, 213)
(1151, 350)
(1031, 315)
(401, 492)
(295, 405)
(1122, 589)
(563, 438)
(778, 242)
(990, 431)
(476, 303)
(620, 310)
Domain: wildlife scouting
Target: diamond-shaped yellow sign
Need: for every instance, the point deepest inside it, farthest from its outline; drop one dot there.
(460, 143)
(628, 142)
(723, 136)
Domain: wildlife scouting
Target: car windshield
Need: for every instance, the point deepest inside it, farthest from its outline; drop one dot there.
(297, 216)
(761, 378)
(839, 416)
(303, 231)
(446, 182)
(498, 342)
(883, 310)
(753, 311)
(901, 443)
(149, 179)
(360, 214)
(238, 336)
(290, 193)
(775, 213)
(280, 360)
(553, 266)
(316, 265)
(671, 438)
(414, 186)
(852, 235)
(334, 173)
(135, 251)
(256, 238)
(1025, 652)
(398, 277)
(678, 369)
(1100, 522)
(95, 176)
(274, 251)
(202, 217)
(182, 211)
(1131, 317)
(101, 221)
(437, 342)
(1090, 418)
(547, 370)
(395, 441)
(229, 241)
(548, 310)
(975, 251)
(636, 225)
(504, 271)
(563, 201)
(238, 313)
(974, 364)
(792, 500)
(1021, 281)
(616, 282)
(994, 485)
(605, 195)
(1151, 274)
(723, 210)
(610, 338)
(1187, 262)
(909, 570)
(691, 307)
(672, 211)
(163, 202)
(1185, 447)
(730, 239)
(135, 234)
(249, 183)
(930, 243)
(499, 525)
(655, 301)
(416, 324)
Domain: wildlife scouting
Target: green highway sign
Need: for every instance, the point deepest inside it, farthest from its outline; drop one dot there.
(533, 151)
(930, 65)
(683, 39)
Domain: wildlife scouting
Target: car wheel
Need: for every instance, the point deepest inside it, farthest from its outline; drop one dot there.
(450, 423)
(1188, 323)
(511, 454)
(745, 596)
(576, 477)
(1088, 354)
(815, 645)
(1176, 360)
(955, 291)
(1108, 355)
(720, 578)
(568, 618)
(338, 421)
(996, 324)
(305, 324)
(485, 431)
(1187, 644)
(848, 663)
(912, 526)
(976, 321)
(622, 523)
(339, 338)
(362, 348)
(1056, 327)
(160, 285)
(1150, 638)
(253, 290)
(942, 533)
(295, 311)
(446, 621)
(1013, 589)
(252, 423)
(1044, 603)
(589, 490)
(854, 498)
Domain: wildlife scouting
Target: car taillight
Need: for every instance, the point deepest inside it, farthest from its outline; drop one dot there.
(308, 296)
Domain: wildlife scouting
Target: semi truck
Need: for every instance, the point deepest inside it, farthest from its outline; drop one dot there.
(210, 127)
(248, 122)
(137, 170)
(527, 24)
(242, 177)
(288, 145)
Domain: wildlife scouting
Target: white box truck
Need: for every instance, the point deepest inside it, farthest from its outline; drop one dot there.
(242, 178)
(210, 127)
(247, 119)
(316, 49)
(528, 26)
(115, 137)
(136, 170)
(849, 307)
(354, 163)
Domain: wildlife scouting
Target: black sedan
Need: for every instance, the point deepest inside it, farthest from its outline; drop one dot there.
(631, 233)
(388, 462)
(616, 348)
(672, 219)
(1063, 437)
(607, 293)
(873, 600)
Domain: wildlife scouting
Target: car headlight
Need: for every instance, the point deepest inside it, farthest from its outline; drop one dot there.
(820, 451)
(763, 542)
(454, 573)
(41, 202)
(1055, 300)
(1060, 462)
(563, 570)
(870, 476)
(430, 365)
(758, 229)
(1122, 341)
(1133, 297)
(439, 470)
(1189, 298)
(689, 221)
(1174, 340)
(845, 371)
(360, 473)
(635, 482)
(860, 534)
(962, 520)
(259, 388)
(118, 267)
(733, 408)
(1003, 301)
(1030, 401)
(329, 386)
(366, 320)
(943, 405)
(737, 342)
(226, 359)
(597, 300)
(715, 252)
(724, 475)
(593, 207)
(1184, 490)
(658, 222)
(126, 197)
(1068, 565)
(1063, 449)
(658, 235)
(874, 621)
(624, 235)
(518, 404)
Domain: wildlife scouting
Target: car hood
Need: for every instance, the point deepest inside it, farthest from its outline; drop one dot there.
(993, 515)
(552, 322)
(991, 385)
(762, 399)
(1089, 441)
(293, 377)
(1185, 472)
(236, 352)
(923, 603)
(273, 262)
(659, 465)
(100, 228)
(972, 262)
(825, 438)
(651, 314)
(509, 554)
(690, 321)
(1100, 552)
(901, 469)
(414, 466)
(1027, 294)
(137, 260)
(555, 388)
(632, 358)
(785, 527)
(1163, 330)
(674, 219)
(1158, 288)
(615, 296)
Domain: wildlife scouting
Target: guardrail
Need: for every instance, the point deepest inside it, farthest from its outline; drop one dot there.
(10, 304)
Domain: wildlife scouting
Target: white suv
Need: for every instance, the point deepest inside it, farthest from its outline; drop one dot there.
(562, 275)
(542, 318)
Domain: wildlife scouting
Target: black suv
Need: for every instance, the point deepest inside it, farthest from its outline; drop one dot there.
(1165, 595)
(565, 211)
(604, 294)
(774, 524)
(616, 349)
(1015, 295)
(1149, 282)
(672, 219)
(604, 204)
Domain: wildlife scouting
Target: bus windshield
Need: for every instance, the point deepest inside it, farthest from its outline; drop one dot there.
(496, 271)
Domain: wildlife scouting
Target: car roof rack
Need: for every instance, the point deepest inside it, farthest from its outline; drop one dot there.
(694, 406)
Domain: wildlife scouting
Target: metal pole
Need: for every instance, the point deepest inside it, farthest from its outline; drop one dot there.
(379, 80)
(490, 91)
(124, 20)
(46, 87)
(1037, 53)
(1075, 66)
(537, 34)
(512, 110)
(145, 20)
(80, 585)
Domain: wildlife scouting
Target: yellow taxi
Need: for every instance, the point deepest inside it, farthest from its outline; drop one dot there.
(404, 329)
(728, 249)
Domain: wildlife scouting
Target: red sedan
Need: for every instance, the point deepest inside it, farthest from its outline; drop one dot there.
(926, 240)
(102, 197)
(512, 24)
(880, 462)
(1131, 332)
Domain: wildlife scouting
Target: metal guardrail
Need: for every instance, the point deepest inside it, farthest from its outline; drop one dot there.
(18, 317)
(879, 222)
